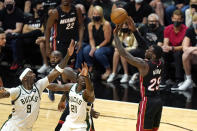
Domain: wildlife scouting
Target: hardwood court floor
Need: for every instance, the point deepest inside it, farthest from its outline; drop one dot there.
(115, 116)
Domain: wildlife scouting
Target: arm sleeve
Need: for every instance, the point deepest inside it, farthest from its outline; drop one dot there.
(140, 40)
(14, 93)
(160, 36)
(42, 84)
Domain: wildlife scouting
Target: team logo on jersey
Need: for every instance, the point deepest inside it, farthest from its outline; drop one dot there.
(28, 99)
(75, 100)
(68, 20)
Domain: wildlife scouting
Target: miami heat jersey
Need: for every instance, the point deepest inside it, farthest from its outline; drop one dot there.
(79, 109)
(149, 84)
(67, 25)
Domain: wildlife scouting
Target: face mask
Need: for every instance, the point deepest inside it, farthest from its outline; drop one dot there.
(152, 26)
(176, 23)
(195, 26)
(96, 18)
(125, 30)
(40, 12)
(9, 7)
(138, 1)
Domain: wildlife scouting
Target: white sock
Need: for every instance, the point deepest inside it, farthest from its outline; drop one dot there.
(188, 77)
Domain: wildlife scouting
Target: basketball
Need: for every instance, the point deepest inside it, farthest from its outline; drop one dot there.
(118, 16)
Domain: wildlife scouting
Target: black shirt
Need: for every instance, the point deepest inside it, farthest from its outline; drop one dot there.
(149, 84)
(192, 35)
(67, 25)
(143, 11)
(34, 22)
(9, 20)
(153, 36)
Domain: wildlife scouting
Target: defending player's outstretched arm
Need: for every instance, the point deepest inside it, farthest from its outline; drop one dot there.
(60, 67)
(135, 61)
(88, 94)
(4, 93)
(58, 87)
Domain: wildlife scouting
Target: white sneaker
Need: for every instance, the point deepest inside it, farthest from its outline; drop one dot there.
(124, 78)
(133, 78)
(111, 77)
(42, 69)
(186, 84)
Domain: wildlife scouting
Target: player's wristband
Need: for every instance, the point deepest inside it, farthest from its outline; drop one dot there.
(59, 69)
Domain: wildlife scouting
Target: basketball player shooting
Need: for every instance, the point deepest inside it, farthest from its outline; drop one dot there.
(150, 69)
(80, 95)
(26, 97)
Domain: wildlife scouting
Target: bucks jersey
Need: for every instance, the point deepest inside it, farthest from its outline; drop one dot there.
(79, 110)
(25, 107)
(149, 84)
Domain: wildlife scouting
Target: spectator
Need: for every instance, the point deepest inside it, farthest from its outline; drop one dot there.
(139, 11)
(190, 53)
(129, 42)
(189, 13)
(159, 9)
(11, 19)
(180, 5)
(153, 31)
(86, 21)
(34, 28)
(100, 42)
(173, 37)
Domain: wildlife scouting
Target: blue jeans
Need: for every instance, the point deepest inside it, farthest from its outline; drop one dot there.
(80, 57)
(169, 11)
(101, 55)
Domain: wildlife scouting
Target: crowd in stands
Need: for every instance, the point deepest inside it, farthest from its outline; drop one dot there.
(34, 28)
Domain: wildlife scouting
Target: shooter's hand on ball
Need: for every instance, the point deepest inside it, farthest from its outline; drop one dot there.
(131, 24)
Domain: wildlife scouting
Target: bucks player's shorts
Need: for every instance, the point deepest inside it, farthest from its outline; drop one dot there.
(89, 123)
(149, 113)
(10, 126)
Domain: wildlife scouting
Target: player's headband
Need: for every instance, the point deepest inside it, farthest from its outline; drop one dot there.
(24, 73)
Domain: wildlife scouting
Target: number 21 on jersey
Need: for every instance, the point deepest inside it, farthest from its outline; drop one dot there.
(154, 84)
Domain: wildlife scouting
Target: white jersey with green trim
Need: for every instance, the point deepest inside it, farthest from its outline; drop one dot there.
(26, 106)
(79, 109)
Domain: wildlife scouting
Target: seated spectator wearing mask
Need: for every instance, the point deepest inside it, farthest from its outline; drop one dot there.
(153, 31)
(34, 28)
(178, 5)
(172, 48)
(189, 13)
(190, 53)
(139, 11)
(11, 19)
(100, 42)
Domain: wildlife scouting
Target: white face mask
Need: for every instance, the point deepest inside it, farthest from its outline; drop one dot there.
(138, 1)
